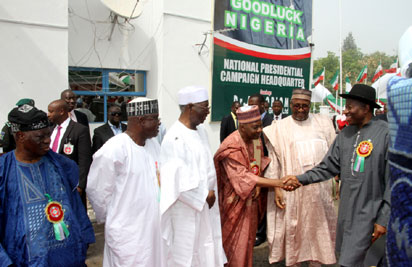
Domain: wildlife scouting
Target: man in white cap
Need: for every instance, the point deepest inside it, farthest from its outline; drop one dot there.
(190, 216)
(124, 189)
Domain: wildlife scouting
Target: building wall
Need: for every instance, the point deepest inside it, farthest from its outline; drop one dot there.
(33, 52)
(163, 41)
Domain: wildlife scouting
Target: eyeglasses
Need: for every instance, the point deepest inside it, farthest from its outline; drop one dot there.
(300, 106)
(116, 113)
(202, 107)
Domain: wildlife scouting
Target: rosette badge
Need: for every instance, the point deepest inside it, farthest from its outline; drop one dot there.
(363, 150)
(55, 214)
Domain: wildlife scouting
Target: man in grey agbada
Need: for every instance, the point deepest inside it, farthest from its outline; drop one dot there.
(359, 155)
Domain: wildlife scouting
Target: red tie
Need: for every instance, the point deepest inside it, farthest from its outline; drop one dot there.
(56, 139)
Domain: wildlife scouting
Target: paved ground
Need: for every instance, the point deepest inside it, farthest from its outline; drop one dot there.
(95, 252)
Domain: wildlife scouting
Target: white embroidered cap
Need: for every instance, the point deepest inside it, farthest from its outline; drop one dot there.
(192, 94)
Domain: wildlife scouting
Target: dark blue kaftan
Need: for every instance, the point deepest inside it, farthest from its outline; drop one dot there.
(26, 236)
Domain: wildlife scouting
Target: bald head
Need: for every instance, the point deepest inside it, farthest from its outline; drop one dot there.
(58, 111)
(70, 98)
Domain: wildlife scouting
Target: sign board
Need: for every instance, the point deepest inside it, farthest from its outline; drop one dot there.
(259, 47)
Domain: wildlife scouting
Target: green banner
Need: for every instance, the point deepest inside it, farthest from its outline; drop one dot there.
(251, 58)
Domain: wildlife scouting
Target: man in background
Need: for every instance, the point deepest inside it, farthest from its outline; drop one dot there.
(112, 127)
(70, 98)
(229, 123)
(277, 108)
(72, 140)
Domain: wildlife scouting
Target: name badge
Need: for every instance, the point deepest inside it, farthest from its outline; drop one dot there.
(68, 148)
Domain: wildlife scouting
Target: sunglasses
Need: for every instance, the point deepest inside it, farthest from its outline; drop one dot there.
(116, 113)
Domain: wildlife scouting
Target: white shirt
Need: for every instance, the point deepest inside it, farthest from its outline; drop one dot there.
(72, 116)
(191, 232)
(115, 130)
(123, 188)
(64, 126)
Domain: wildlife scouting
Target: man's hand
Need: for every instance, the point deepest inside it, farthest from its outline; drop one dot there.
(279, 198)
(290, 183)
(378, 231)
(79, 190)
(211, 198)
(256, 193)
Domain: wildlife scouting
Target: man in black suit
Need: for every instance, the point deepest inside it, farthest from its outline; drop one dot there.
(70, 98)
(267, 119)
(111, 128)
(229, 123)
(72, 140)
(277, 107)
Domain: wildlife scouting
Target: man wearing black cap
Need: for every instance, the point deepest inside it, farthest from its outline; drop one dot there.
(42, 220)
(7, 142)
(359, 156)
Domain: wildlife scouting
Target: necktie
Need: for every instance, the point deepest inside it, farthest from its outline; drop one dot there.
(56, 139)
(277, 118)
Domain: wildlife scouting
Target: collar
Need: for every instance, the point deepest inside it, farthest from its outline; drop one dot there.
(114, 126)
(263, 115)
(65, 123)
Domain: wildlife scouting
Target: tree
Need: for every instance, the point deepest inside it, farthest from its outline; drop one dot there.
(331, 64)
(349, 43)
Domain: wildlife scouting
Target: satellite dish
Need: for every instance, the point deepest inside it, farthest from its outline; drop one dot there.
(129, 9)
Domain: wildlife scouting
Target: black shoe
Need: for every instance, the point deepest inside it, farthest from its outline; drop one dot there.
(259, 240)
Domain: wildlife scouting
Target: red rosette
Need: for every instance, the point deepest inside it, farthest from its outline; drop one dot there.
(54, 212)
(364, 149)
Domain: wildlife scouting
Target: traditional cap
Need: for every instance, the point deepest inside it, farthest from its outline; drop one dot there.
(27, 118)
(248, 114)
(363, 93)
(192, 94)
(301, 94)
(27, 101)
(142, 106)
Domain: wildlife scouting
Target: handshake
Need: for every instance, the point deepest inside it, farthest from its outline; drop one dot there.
(289, 183)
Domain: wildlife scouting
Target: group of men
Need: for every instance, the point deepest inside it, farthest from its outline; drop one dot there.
(177, 204)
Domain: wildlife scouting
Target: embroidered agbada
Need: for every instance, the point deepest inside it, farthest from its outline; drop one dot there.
(26, 236)
(305, 230)
(123, 188)
(236, 184)
(190, 230)
(365, 196)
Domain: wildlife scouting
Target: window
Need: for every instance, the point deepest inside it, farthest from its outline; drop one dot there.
(97, 89)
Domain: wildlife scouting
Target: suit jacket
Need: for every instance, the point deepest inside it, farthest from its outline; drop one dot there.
(102, 134)
(81, 118)
(77, 135)
(227, 126)
(282, 116)
(266, 121)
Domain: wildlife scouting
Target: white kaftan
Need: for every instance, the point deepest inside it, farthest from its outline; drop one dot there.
(191, 231)
(124, 192)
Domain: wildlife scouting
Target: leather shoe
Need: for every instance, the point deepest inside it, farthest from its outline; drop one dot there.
(259, 240)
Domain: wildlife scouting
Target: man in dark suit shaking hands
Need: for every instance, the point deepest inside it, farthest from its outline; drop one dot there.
(229, 123)
(112, 127)
(72, 140)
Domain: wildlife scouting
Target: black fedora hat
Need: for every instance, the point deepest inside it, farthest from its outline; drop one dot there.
(363, 93)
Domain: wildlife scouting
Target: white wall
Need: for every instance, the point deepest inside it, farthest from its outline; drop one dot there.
(163, 42)
(33, 52)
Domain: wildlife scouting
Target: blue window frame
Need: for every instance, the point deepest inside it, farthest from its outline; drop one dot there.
(98, 88)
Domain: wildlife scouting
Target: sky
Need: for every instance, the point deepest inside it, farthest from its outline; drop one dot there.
(376, 25)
